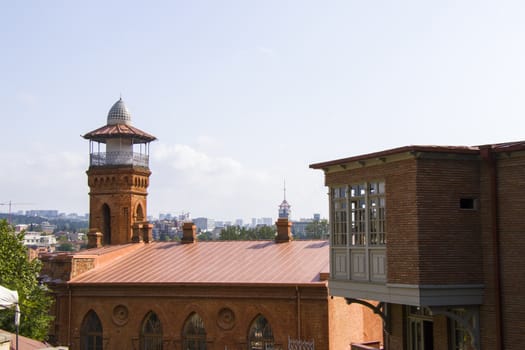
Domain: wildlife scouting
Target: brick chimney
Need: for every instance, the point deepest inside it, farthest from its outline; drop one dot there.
(189, 233)
(94, 238)
(284, 230)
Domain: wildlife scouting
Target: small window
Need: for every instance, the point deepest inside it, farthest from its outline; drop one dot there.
(467, 203)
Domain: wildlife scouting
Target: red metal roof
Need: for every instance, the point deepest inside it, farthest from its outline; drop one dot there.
(24, 343)
(215, 262)
(118, 130)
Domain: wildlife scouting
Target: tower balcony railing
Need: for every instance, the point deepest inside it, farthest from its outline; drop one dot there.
(119, 158)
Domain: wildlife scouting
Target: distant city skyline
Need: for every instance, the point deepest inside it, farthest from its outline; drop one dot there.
(160, 216)
(242, 95)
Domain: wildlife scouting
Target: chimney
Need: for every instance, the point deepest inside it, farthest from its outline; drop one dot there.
(94, 238)
(284, 230)
(189, 233)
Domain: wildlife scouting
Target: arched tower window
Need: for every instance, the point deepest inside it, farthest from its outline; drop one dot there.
(106, 224)
(151, 333)
(91, 332)
(139, 213)
(194, 334)
(261, 335)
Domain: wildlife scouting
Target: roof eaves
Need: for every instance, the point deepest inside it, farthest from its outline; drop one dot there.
(314, 284)
(399, 150)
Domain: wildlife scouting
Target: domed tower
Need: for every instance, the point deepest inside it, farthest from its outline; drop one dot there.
(118, 179)
(285, 208)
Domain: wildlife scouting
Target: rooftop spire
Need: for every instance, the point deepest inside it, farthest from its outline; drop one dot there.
(284, 207)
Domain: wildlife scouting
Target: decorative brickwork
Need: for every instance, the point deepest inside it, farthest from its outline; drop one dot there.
(118, 202)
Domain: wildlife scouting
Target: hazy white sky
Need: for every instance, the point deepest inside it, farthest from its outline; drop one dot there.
(245, 94)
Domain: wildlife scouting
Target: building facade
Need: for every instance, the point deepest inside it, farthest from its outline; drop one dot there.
(130, 292)
(432, 234)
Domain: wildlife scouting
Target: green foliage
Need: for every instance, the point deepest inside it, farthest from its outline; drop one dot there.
(317, 229)
(236, 233)
(204, 236)
(66, 247)
(20, 274)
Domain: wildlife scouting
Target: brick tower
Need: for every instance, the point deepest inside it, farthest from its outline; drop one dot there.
(118, 179)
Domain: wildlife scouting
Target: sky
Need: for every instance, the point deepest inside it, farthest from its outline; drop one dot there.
(244, 95)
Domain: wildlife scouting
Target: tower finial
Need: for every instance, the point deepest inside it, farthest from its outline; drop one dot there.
(284, 189)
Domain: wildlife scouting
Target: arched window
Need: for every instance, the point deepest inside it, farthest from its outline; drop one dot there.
(91, 332)
(151, 333)
(140, 213)
(106, 224)
(261, 335)
(194, 334)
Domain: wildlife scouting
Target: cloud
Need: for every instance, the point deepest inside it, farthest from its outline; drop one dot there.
(50, 180)
(185, 178)
(191, 161)
(265, 51)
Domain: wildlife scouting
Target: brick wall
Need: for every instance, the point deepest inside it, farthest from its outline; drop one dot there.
(173, 305)
(448, 236)
(123, 189)
(511, 216)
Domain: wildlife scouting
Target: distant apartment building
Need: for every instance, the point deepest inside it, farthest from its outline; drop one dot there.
(48, 214)
(165, 227)
(204, 224)
(21, 227)
(46, 227)
(261, 222)
(299, 227)
(38, 239)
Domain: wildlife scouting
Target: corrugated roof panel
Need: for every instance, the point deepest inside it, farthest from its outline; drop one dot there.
(224, 262)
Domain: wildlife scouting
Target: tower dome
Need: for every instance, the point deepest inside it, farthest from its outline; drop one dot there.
(284, 207)
(119, 114)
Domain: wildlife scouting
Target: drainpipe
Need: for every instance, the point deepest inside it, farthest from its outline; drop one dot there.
(298, 294)
(490, 158)
(69, 317)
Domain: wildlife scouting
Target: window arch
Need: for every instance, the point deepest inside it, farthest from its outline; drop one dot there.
(194, 333)
(151, 333)
(91, 332)
(139, 213)
(106, 223)
(261, 335)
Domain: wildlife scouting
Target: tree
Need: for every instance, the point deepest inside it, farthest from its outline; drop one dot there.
(20, 274)
(262, 232)
(317, 229)
(233, 233)
(236, 233)
(204, 236)
(66, 247)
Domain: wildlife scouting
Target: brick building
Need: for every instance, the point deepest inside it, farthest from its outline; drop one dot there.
(129, 292)
(435, 235)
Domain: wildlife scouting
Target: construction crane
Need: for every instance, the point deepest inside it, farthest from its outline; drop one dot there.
(11, 204)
